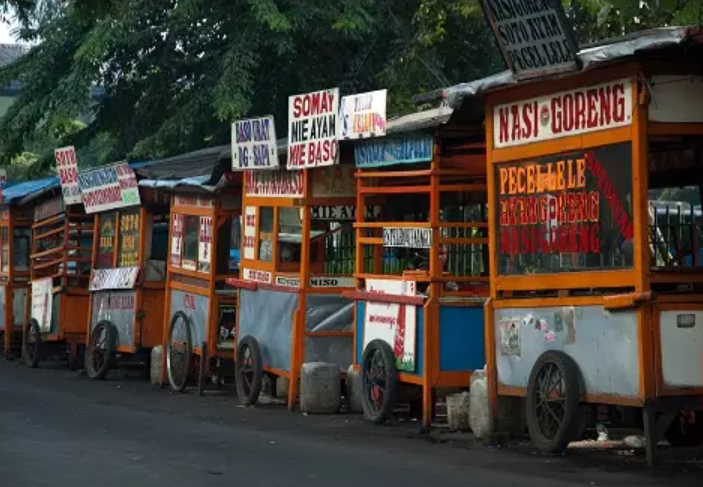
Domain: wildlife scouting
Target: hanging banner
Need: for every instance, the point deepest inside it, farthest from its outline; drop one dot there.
(388, 151)
(42, 303)
(250, 213)
(67, 169)
(119, 278)
(108, 188)
(573, 112)
(205, 244)
(535, 37)
(363, 115)
(393, 323)
(254, 144)
(176, 239)
(282, 183)
(408, 237)
(312, 129)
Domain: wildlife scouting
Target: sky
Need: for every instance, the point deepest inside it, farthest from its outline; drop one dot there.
(5, 29)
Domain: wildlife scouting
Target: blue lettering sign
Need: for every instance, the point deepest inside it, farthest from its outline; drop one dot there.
(388, 151)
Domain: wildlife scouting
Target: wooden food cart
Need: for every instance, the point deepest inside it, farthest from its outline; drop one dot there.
(128, 276)
(422, 261)
(596, 284)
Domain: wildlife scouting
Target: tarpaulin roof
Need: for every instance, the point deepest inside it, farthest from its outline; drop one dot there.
(24, 192)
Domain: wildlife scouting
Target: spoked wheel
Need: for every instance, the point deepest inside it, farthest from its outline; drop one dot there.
(686, 430)
(32, 344)
(249, 370)
(179, 353)
(380, 381)
(102, 347)
(553, 409)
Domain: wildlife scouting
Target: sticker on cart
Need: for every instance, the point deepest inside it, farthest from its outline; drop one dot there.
(510, 336)
(205, 244)
(176, 239)
(42, 303)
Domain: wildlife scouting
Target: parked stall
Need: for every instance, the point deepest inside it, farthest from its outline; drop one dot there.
(421, 261)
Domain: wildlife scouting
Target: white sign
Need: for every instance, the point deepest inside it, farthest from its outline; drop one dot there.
(393, 323)
(254, 144)
(287, 281)
(535, 37)
(281, 184)
(312, 129)
(109, 188)
(363, 115)
(250, 213)
(42, 303)
(408, 237)
(205, 244)
(67, 168)
(573, 112)
(176, 239)
(257, 276)
(331, 281)
(119, 278)
(342, 213)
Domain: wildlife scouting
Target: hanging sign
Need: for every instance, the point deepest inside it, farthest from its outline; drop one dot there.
(312, 129)
(393, 323)
(342, 213)
(205, 244)
(42, 303)
(408, 237)
(67, 168)
(573, 112)
(108, 188)
(281, 183)
(250, 213)
(254, 144)
(257, 276)
(535, 37)
(406, 149)
(119, 278)
(176, 239)
(363, 115)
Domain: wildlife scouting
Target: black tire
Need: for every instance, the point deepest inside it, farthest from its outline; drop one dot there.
(554, 415)
(32, 344)
(101, 351)
(686, 430)
(179, 351)
(249, 371)
(379, 375)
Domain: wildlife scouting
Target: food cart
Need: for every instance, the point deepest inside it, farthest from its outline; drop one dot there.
(594, 187)
(421, 261)
(128, 274)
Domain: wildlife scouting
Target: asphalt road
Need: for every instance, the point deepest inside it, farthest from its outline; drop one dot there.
(60, 429)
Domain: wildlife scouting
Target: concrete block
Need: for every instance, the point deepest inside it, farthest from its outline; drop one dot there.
(320, 388)
(354, 390)
(155, 368)
(458, 407)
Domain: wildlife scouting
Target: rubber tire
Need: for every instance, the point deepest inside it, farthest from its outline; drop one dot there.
(692, 438)
(34, 363)
(573, 419)
(258, 378)
(189, 358)
(110, 351)
(389, 398)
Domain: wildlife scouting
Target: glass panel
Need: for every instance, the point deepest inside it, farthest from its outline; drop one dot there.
(290, 228)
(4, 250)
(190, 242)
(22, 248)
(266, 234)
(128, 255)
(106, 247)
(676, 227)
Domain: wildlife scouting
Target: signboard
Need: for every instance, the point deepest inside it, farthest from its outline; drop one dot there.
(42, 303)
(129, 239)
(281, 183)
(106, 243)
(250, 213)
(205, 244)
(566, 213)
(363, 115)
(573, 112)
(393, 323)
(257, 276)
(119, 278)
(67, 168)
(316, 281)
(398, 149)
(193, 201)
(408, 237)
(535, 37)
(342, 213)
(108, 188)
(287, 281)
(254, 144)
(176, 239)
(312, 129)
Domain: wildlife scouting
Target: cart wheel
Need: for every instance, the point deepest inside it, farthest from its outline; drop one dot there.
(32, 344)
(686, 430)
(553, 395)
(249, 370)
(102, 347)
(380, 376)
(179, 352)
